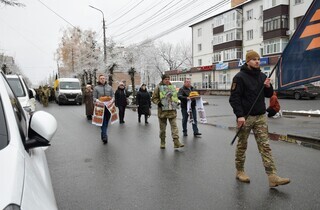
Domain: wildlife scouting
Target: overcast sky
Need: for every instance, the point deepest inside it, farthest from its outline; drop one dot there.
(31, 34)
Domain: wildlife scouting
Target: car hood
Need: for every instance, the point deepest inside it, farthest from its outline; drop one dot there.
(11, 176)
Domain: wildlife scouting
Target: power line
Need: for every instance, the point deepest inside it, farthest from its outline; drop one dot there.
(149, 19)
(215, 7)
(57, 14)
(126, 13)
(167, 17)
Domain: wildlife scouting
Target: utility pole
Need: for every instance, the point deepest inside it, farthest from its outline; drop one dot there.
(104, 37)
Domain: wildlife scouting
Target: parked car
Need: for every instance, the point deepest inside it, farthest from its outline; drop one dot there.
(25, 95)
(309, 91)
(25, 181)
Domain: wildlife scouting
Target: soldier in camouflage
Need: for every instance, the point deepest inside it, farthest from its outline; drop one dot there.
(245, 88)
(165, 96)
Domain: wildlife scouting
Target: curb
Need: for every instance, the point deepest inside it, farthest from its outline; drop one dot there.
(300, 114)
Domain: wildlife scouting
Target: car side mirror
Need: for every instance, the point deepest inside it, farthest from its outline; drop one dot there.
(42, 128)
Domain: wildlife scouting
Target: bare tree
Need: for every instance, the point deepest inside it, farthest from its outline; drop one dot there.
(175, 56)
(12, 3)
(78, 52)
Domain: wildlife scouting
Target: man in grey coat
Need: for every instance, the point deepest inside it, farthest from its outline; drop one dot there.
(100, 91)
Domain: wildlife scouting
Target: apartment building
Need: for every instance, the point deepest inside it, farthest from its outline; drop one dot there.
(264, 26)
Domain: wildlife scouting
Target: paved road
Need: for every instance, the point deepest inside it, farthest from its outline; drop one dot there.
(131, 172)
(220, 114)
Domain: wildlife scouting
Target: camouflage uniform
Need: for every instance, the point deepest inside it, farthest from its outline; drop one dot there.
(45, 95)
(245, 88)
(260, 129)
(171, 115)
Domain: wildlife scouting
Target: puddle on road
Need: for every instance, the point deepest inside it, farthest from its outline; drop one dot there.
(276, 137)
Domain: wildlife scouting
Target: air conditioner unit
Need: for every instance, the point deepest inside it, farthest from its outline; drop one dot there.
(288, 32)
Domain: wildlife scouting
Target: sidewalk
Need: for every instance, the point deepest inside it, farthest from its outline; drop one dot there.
(292, 127)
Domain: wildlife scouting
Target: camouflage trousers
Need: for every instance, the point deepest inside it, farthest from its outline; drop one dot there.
(163, 126)
(259, 127)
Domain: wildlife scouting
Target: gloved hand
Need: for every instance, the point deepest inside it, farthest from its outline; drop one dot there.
(160, 105)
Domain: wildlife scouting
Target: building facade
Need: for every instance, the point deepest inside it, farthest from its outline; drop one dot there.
(220, 43)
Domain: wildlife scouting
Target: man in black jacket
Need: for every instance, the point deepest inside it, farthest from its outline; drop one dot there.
(245, 88)
(183, 96)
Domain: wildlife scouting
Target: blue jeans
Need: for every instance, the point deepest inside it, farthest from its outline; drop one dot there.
(106, 119)
(185, 117)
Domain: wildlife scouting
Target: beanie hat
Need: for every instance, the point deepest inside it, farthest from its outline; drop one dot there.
(164, 76)
(251, 55)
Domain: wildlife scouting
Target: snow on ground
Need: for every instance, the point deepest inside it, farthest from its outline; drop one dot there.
(302, 111)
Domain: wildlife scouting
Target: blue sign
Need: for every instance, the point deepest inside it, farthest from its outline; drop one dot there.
(264, 61)
(222, 66)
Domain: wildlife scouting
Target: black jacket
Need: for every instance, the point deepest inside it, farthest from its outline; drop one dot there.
(120, 97)
(245, 88)
(183, 94)
(144, 101)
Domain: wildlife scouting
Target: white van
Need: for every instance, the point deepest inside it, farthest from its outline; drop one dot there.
(68, 91)
(177, 84)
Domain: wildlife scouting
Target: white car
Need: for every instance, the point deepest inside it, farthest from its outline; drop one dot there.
(25, 95)
(25, 181)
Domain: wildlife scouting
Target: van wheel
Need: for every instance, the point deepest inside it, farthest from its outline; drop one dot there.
(297, 96)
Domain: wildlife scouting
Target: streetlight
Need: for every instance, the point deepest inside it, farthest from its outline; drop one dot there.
(104, 35)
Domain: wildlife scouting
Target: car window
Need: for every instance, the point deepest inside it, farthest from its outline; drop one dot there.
(69, 85)
(17, 87)
(18, 112)
(4, 141)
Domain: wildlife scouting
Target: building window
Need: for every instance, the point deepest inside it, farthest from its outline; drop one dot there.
(297, 21)
(199, 32)
(298, 2)
(250, 14)
(274, 3)
(274, 46)
(199, 47)
(275, 23)
(199, 62)
(232, 54)
(216, 57)
(250, 35)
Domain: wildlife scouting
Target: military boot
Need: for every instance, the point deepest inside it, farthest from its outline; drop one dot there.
(275, 180)
(242, 176)
(177, 144)
(163, 144)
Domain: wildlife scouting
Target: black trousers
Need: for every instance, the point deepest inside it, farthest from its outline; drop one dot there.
(122, 110)
(271, 112)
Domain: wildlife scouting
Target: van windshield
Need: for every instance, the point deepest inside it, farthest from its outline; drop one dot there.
(177, 84)
(69, 85)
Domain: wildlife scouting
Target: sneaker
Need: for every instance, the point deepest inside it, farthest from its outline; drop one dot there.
(197, 134)
(276, 116)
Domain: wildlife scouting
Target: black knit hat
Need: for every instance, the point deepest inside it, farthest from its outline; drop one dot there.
(164, 76)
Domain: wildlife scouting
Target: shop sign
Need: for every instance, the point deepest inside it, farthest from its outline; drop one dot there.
(222, 66)
(206, 68)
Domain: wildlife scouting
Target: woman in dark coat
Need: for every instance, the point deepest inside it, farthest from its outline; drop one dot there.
(121, 101)
(88, 100)
(144, 103)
